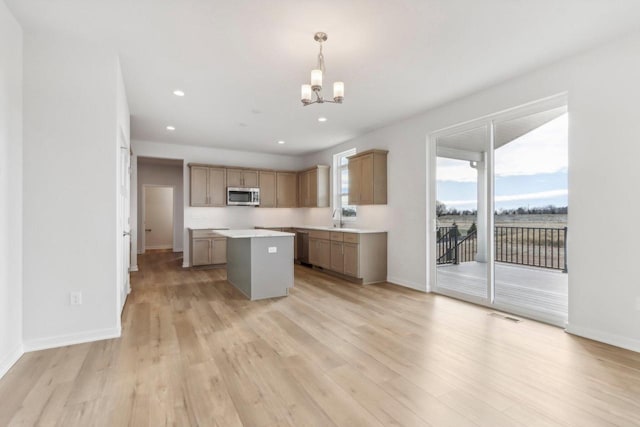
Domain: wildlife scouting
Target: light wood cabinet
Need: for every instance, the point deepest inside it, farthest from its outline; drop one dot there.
(320, 252)
(286, 189)
(359, 256)
(337, 257)
(242, 178)
(278, 189)
(208, 186)
(351, 259)
(200, 252)
(267, 180)
(199, 186)
(313, 187)
(207, 248)
(303, 194)
(368, 178)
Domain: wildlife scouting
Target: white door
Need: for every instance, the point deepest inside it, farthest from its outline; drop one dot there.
(124, 224)
(158, 217)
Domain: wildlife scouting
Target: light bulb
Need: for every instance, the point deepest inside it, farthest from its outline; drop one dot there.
(305, 93)
(338, 91)
(316, 79)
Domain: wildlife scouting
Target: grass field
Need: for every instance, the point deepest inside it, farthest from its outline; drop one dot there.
(526, 220)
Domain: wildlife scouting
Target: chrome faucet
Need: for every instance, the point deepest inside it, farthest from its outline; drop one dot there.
(333, 217)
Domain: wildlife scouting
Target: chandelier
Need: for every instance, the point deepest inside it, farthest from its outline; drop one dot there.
(316, 81)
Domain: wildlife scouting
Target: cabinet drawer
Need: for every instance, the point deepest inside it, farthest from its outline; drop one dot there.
(336, 236)
(351, 237)
(317, 234)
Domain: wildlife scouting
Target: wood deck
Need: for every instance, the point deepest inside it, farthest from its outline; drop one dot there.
(535, 289)
(195, 352)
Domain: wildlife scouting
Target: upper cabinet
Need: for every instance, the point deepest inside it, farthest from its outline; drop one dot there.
(242, 178)
(267, 189)
(286, 189)
(368, 178)
(278, 189)
(313, 187)
(208, 186)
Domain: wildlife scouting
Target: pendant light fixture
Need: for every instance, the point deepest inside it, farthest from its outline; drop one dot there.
(316, 81)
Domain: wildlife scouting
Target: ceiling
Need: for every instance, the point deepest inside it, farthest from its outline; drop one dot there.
(477, 139)
(241, 63)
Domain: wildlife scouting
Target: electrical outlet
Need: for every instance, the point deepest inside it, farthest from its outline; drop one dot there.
(75, 298)
(273, 249)
(638, 303)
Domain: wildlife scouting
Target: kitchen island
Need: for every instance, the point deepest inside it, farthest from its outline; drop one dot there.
(259, 262)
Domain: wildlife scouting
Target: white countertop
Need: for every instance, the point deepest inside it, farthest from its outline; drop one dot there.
(250, 233)
(341, 230)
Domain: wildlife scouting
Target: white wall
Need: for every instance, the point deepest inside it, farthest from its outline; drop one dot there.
(72, 115)
(170, 175)
(604, 133)
(10, 190)
(225, 217)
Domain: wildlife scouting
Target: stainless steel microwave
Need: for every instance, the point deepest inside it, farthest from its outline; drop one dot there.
(239, 196)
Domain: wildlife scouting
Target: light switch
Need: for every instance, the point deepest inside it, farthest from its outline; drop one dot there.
(273, 249)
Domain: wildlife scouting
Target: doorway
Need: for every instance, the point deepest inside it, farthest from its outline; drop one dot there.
(499, 196)
(157, 214)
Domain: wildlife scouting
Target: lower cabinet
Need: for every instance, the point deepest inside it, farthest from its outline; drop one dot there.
(207, 248)
(362, 256)
(345, 258)
(351, 259)
(320, 252)
(337, 257)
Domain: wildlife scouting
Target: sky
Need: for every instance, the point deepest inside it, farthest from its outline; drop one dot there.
(531, 171)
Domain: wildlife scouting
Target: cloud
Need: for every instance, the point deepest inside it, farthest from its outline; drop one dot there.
(543, 150)
(514, 197)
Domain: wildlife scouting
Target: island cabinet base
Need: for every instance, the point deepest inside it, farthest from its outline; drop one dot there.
(258, 270)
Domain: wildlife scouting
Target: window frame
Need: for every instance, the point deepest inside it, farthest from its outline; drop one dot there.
(338, 167)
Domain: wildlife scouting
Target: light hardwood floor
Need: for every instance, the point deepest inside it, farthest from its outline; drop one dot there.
(195, 352)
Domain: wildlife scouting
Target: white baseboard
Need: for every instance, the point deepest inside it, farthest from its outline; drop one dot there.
(133, 269)
(10, 359)
(407, 283)
(64, 340)
(612, 339)
(185, 265)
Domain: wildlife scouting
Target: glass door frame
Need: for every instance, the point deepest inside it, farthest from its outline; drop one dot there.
(490, 121)
(487, 194)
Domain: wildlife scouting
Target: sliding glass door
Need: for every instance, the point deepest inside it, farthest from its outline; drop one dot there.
(462, 237)
(530, 208)
(499, 211)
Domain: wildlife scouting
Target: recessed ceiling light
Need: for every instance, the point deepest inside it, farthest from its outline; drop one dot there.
(178, 92)
(171, 128)
(322, 119)
(280, 142)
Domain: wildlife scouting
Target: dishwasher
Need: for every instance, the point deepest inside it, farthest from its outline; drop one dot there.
(302, 239)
